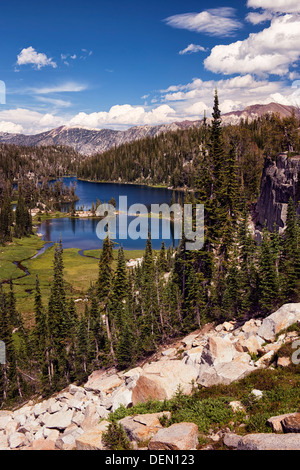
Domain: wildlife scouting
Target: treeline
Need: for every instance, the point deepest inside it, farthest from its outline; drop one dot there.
(18, 162)
(16, 223)
(30, 194)
(26, 179)
(177, 159)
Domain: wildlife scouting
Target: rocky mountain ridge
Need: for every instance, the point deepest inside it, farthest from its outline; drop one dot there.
(77, 417)
(91, 141)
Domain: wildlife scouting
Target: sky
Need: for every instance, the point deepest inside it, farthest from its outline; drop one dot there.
(118, 64)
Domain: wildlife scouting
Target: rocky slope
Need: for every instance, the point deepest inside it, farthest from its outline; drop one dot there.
(214, 355)
(279, 183)
(89, 142)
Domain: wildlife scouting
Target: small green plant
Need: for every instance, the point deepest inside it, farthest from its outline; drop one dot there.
(254, 356)
(164, 420)
(116, 438)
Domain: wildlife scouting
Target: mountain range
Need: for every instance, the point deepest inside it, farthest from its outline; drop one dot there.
(92, 141)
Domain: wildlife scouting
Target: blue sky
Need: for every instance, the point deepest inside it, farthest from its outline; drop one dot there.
(117, 64)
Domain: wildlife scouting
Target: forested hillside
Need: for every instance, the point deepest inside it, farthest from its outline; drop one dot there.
(130, 312)
(182, 158)
(25, 176)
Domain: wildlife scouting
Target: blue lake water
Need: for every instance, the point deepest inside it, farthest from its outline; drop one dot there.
(81, 232)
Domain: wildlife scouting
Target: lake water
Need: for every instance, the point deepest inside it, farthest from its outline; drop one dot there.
(81, 233)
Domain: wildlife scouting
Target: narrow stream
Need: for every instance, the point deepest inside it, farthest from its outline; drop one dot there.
(22, 267)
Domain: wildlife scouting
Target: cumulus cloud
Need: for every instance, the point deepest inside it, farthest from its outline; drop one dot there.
(271, 51)
(280, 6)
(192, 48)
(121, 116)
(10, 127)
(37, 59)
(28, 121)
(176, 103)
(190, 100)
(215, 22)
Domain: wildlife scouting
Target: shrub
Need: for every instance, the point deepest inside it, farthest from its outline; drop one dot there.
(115, 438)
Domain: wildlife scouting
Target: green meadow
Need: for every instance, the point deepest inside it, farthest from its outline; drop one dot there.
(80, 272)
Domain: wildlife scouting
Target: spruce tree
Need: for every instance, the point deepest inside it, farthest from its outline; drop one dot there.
(6, 218)
(104, 286)
(150, 329)
(268, 278)
(291, 254)
(23, 222)
(58, 322)
(125, 345)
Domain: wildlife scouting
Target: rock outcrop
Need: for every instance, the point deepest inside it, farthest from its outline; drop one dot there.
(278, 184)
(180, 436)
(77, 417)
(263, 441)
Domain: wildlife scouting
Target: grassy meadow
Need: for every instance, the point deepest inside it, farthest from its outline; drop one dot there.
(80, 271)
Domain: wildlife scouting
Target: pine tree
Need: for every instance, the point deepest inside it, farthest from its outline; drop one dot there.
(40, 339)
(82, 349)
(162, 259)
(104, 286)
(126, 345)
(247, 261)
(216, 144)
(194, 305)
(23, 224)
(150, 329)
(6, 218)
(268, 278)
(105, 270)
(291, 254)
(58, 322)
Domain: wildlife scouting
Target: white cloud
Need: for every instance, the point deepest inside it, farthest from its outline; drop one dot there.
(257, 18)
(176, 103)
(67, 87)
(214, 22)
(280, 6)
(120, 116)
(66, 56)
(192, 48)
(28, 121)
(10, 127)
(196, 109)
(54, 101)
(37, 59)
(190, 100)
(271, 51)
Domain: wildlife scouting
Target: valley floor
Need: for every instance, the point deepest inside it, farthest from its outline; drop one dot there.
(18, 262)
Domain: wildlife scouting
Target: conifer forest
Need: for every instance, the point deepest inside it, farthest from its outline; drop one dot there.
(130, 312)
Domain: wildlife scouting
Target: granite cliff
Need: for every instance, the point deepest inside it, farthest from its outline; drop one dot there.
(279, 183)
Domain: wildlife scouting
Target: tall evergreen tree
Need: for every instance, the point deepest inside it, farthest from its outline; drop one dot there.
(23, 223)
(58, 322)
(268, 278)
(291, 254)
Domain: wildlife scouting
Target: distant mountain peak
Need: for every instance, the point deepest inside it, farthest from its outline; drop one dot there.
(258, 110)
(90, 141)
